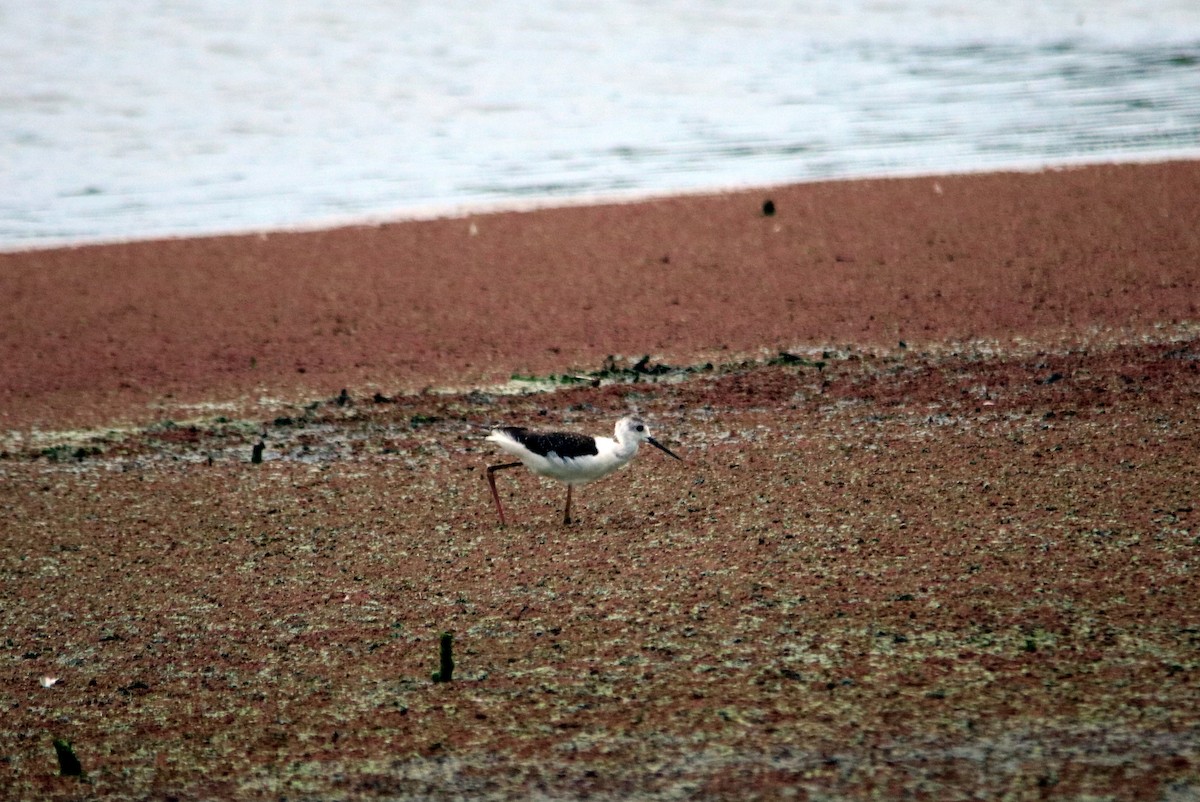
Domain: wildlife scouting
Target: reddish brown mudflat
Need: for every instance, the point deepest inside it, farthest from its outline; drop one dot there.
(944, 548)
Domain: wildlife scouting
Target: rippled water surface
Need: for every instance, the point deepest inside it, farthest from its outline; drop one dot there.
(128, 119)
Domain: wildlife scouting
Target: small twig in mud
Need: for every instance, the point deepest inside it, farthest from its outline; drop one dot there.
(68, 763)
(446, 672)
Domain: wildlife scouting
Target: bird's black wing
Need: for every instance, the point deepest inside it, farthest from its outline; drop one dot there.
(567, 445)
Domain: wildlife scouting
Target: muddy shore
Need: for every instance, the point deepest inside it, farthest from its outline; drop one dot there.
(131, 331)
(934, 534)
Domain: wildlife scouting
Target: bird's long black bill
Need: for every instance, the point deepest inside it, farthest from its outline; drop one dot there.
(661, 447)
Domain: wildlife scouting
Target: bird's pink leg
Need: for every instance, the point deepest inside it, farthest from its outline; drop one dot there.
(567, 514)
(491, 477)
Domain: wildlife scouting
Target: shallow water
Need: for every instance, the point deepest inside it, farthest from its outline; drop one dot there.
(123, 119)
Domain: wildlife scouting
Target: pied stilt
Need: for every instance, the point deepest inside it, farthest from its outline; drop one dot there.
(574, 459)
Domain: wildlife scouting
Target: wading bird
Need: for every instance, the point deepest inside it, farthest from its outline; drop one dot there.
(574, 459)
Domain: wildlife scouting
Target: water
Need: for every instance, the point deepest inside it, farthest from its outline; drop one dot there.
(127, 119)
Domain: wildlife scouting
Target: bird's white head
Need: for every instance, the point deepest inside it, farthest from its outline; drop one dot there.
(632, 430)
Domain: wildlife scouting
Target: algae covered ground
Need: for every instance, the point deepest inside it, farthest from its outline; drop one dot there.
(957, 573)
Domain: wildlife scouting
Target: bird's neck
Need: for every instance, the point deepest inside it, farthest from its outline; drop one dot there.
(624, 449)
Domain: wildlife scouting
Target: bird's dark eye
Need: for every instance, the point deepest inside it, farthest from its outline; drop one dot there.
(641, 428)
